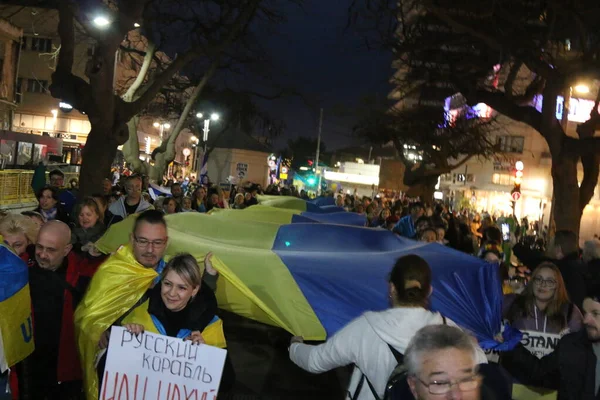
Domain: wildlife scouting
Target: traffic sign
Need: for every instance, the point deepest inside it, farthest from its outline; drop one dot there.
(516, 196)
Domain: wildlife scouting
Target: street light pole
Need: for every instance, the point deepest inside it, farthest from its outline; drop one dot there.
(205, 130)
(319, 152)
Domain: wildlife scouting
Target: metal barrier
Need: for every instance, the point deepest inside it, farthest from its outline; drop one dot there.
(15, 186)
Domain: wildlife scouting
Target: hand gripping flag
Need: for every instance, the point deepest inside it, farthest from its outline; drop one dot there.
(16, 334)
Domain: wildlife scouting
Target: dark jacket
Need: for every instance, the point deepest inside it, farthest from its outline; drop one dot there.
(110, 218)
(571, 268)
(61, 214)
(81, 236)
(570, 369)
(54, 297)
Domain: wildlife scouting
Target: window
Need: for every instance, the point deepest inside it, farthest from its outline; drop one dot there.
(41, 44)
(37, 86)
(511, 144)
(464, 178)
(503, 179)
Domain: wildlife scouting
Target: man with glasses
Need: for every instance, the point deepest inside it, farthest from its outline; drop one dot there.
(121, 284)
(573, 368)
(132, 203)
(67, 197)
(441, 363)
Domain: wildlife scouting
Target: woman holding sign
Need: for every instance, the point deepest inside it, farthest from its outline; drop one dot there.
(180, 306)
(543, 311)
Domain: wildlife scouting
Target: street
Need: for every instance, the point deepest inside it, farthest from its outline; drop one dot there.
(264, 371)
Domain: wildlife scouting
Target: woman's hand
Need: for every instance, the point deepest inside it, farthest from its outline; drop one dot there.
(208, 267)
(103, 342)
(93, 251)
(196, 338)
(136, 329)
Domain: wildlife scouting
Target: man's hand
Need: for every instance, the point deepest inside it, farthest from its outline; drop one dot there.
(196, 338)
(136, 329)
(208, 267)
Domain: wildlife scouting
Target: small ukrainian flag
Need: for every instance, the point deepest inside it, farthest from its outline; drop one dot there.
(16, 330)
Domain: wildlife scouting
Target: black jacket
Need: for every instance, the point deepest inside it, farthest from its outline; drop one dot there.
(570, 369)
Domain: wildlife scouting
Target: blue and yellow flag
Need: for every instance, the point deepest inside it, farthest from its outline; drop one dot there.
(311, 279)
(16, 334)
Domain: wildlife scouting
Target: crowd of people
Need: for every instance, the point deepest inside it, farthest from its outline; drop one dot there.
(552, 295)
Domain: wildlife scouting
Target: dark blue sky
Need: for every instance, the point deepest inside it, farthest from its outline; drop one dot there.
(315, 54)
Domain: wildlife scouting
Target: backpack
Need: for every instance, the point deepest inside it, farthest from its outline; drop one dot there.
(396, 387)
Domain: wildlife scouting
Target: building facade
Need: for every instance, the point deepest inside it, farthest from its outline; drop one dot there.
(486, 185)
(38, 113)
(10, 42)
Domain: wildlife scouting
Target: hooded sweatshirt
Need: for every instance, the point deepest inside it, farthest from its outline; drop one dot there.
(364, 342)
(541, 335)
(118, 207)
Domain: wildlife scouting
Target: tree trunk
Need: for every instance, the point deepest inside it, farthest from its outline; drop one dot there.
(567, 212)
(99, 152)
(423, 187)
(131, 148)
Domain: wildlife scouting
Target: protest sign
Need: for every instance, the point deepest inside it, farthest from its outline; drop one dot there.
(540, 344)
(149, 366)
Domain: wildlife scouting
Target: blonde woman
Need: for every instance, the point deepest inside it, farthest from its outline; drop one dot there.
(18, 231)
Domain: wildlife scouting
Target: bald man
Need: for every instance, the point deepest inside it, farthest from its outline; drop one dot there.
(58, 279)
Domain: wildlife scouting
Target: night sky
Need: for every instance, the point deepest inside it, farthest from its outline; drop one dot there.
(316, 55)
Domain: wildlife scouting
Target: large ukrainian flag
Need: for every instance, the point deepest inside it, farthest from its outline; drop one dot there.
(313, 278)
(16, 335)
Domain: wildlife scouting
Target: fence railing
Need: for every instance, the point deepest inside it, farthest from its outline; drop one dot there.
(15, 186)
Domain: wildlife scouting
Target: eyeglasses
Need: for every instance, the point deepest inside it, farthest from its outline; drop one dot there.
(551, 283)
(157, 244)
(464, 385)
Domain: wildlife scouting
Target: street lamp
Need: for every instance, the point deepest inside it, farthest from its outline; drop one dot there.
(101, 21)
(205, 130)
(162, 127)
(194, 140)
(582, 88)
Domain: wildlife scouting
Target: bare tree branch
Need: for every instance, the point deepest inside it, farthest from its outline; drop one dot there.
(130, 95)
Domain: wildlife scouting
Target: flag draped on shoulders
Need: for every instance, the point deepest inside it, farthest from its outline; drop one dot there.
(16, 334)
(117, 285)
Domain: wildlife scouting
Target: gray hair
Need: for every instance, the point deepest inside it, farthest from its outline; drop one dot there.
(433, 338)
(591, 250)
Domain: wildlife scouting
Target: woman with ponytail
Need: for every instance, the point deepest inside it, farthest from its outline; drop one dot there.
(371, 340)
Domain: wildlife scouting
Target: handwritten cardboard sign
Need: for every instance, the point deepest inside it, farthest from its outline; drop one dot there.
(156, 367)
